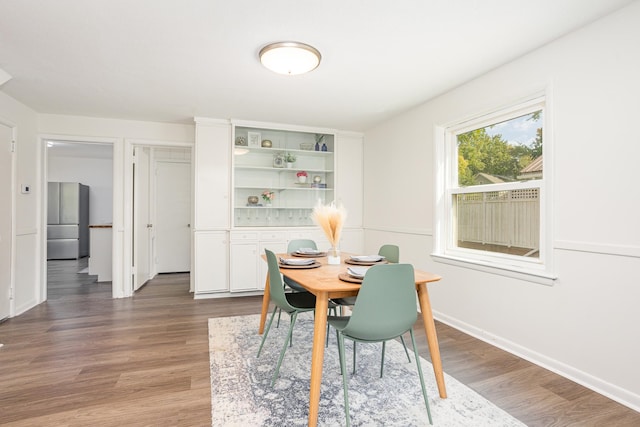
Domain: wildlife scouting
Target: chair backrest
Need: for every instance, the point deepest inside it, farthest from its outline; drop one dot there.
(296, 244)
(390, 252)
(276, 287)
(386, 304)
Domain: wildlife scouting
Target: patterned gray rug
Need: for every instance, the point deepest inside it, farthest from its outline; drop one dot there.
(241, 394)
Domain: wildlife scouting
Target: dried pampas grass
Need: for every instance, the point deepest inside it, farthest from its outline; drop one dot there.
(330, 219)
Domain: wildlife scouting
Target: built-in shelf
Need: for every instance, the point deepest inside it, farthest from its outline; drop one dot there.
(257, 169)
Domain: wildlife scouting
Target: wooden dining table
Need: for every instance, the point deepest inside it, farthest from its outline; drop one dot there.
(325, 284)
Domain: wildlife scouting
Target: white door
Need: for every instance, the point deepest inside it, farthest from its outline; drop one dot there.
(143, 230)
(6, 136)
(173, 217)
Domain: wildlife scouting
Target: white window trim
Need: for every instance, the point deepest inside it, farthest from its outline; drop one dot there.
(539, 270)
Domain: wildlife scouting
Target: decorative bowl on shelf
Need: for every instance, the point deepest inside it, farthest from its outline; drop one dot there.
(308, 146)
(266, 143)
(253, 200)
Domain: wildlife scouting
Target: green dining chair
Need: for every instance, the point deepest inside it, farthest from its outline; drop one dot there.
(293, 246)
(382, 312)
(392, 254)
(290, 303)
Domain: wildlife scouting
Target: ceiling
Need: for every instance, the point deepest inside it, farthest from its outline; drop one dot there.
(170, 60)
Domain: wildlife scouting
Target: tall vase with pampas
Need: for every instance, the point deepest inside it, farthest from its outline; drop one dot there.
(331, 219)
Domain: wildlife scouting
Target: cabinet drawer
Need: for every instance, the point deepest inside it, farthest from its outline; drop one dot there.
(273, 235)
(244, 235)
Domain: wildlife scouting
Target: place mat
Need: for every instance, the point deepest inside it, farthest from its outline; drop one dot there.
(300, 267)
(319, 254)
(354, 262)
(347, 278)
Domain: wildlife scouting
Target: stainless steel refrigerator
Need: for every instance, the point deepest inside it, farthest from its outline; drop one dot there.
(68, 220)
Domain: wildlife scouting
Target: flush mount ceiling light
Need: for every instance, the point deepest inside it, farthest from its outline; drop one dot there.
(290, 58)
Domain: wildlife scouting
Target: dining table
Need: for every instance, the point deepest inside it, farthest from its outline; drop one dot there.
(324, 282)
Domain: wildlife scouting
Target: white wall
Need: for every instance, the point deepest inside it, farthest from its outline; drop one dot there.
(27, 241)
(97, 173)
(585, 325)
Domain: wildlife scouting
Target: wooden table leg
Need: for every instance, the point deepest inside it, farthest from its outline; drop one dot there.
(317, 355)
(265, 305)
(432, 338)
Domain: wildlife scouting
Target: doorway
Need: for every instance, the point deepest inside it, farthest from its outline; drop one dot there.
(90, 164)
(161, 219)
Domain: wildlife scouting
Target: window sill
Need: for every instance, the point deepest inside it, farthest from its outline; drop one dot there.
(529, 275)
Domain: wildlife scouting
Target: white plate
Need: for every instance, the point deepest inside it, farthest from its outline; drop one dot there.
(297, 261)
(367, 258)
(357, 272)
(308, 251)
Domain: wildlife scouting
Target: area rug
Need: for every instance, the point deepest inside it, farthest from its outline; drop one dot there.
(241, 394)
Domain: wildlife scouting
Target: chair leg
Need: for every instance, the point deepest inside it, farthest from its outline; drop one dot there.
(343, 370)
(384, 346)
(294, 315)
(405, 348)
(266, 332)
(331, 310)
(354, 359)
(278, 323)
(424, 389)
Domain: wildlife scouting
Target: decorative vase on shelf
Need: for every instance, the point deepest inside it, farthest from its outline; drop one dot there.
(289, 165)
(302, 179)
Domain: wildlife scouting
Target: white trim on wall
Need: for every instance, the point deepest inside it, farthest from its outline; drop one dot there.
(598, 248)
(596, 384)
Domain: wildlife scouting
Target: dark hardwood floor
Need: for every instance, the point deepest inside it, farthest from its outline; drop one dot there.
(84, 359)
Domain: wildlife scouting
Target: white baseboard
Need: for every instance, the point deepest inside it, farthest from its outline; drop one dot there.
(612, 391)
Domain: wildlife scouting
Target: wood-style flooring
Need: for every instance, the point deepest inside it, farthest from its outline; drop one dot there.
(85, 359)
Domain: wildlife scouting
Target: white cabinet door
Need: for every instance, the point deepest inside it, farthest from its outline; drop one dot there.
(212, 163)
(244, 266)
(210, 263)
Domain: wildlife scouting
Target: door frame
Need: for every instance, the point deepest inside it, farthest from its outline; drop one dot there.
(12, 213)
(116, 283)
(128, 223)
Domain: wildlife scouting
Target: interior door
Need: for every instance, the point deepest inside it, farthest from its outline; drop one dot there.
(6, 136)
(143, 228)
(173, 216)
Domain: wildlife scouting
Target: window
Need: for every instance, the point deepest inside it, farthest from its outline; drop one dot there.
(492, 187)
